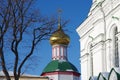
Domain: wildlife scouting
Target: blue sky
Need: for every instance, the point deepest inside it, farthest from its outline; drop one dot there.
(74, 10)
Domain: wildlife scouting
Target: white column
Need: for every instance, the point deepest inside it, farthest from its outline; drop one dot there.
(62, 53)
(59, 52)
(53, 53)
(108, 54)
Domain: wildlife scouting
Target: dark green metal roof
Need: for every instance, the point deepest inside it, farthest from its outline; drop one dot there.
(100, 74)
(57, 65)
(118, 74)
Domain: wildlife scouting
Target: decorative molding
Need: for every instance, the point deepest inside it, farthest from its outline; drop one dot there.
(62, 73)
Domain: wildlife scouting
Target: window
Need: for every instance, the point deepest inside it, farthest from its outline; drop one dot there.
(116, 48)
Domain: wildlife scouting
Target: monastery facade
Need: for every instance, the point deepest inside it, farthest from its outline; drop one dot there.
(100, 41)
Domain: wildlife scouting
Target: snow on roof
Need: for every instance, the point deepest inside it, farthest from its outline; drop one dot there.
(2, 74)
(105, 74)
(117, 69)
(11, 74)
(93, 78)
(62, 61)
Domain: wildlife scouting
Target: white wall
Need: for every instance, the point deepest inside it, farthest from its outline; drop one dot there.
(96, 30)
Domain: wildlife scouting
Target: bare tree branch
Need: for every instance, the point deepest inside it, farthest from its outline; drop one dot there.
(17, 17)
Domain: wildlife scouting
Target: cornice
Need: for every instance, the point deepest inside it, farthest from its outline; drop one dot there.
(84, 24)
(95, 16)
(62, 73)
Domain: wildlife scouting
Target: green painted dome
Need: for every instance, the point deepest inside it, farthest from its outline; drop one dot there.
(58, 65)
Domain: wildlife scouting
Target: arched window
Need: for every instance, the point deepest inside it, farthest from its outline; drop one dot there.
(115, 53)
(116, 47)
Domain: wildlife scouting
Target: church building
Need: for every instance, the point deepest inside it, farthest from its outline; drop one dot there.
(60, 68)
(100, 41)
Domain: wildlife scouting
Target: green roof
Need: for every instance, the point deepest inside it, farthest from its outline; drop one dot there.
(117, 73)
(101, 75)
(58, 65)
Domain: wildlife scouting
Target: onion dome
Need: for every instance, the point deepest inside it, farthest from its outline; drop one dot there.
(59, 37)
(58, 65)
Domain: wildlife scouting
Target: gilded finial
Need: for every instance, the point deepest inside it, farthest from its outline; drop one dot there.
(59, 37)
(59, 18)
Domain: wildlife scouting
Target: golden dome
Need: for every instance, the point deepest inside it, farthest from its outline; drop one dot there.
(59, 37)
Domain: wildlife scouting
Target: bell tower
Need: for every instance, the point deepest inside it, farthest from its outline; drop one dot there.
(60, 68)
